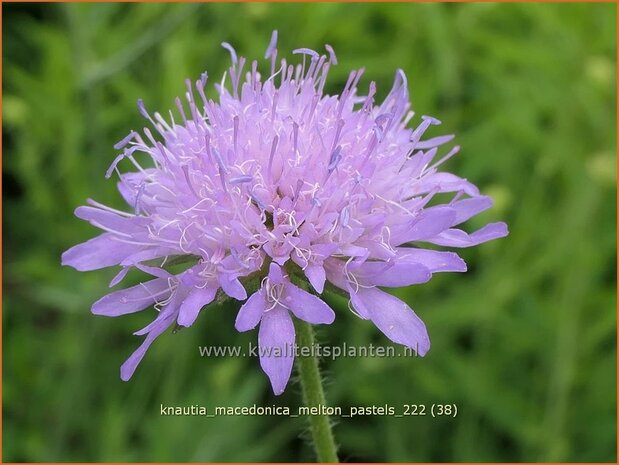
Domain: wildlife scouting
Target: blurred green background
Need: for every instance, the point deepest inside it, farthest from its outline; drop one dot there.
(524, 343)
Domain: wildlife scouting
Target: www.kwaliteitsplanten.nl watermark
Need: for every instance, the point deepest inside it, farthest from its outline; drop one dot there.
(315, 350)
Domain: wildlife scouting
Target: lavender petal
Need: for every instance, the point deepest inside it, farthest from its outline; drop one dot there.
(132, 299)
(307, 307)
(193, 303)
(276, 339)
(99, 252)
(251, 312)
(458, 238)
(394, 318)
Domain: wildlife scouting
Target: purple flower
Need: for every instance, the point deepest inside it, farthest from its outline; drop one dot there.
(277, 175)
(269, 306)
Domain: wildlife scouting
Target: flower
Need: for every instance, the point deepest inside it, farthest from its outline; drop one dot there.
(277, 176)
(269, 307)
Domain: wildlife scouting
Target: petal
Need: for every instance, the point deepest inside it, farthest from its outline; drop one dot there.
(357, 303)
(434, 142)
(434, 260)
(130, 183)
(275, 274)
(324, 250)
(133, 299)
(307, 307)
(316, 276)
(154, 271)
(468, 208)
(108, 220)
(372, 248)
(148, 254)
(335, 272)
(128, 368)
(119, 277)
(99, 252)
(193, 303)
(169, 310)
(232, 287)
(447, 182)
(428, 224)
(251, 312)
(458, 238)
(395, 274)
(276, 339)
(394, 318)
(352, 250)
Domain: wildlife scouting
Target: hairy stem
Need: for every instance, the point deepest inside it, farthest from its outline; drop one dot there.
(314, 396)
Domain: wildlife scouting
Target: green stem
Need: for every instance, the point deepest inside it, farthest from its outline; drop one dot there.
(314, 396)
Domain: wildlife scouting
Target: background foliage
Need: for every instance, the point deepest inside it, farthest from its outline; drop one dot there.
(524, 343)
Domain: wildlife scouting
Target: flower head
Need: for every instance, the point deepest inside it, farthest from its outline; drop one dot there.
(276, 183)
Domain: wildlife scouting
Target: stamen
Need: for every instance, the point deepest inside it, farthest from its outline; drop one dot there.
(181, 110)
(352, 310)
(451, 153)
(220, 160)
(335, 158)
(323, 78)
(312, 109)
(163, 151)
(122, 143)
(273, 148)
(349, 81)
(200, 85)
(195, 207)
(112, 167)
(274, 106)
(345, 216)
(383, 118)
(299, 71)
(338, 133)
(310, 71)
(257, 201)
(457, 196)
(138, 195)
(236, 133)
(274, 294)
(171, 119)
(188, 179)
(233, 56)
(371, 147)
(163, 123)
(306, 51)
(221, 87)
(316, 67)
(203, 79)
(271, 51)
(298, 188)
(295, 139)
(142, 109)
(192, 105)
(235, 76)
(332, 57)
(239, 259)
(126, 154)
(351, 278)
(241, 179)
(222, 177)
(150, 137)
